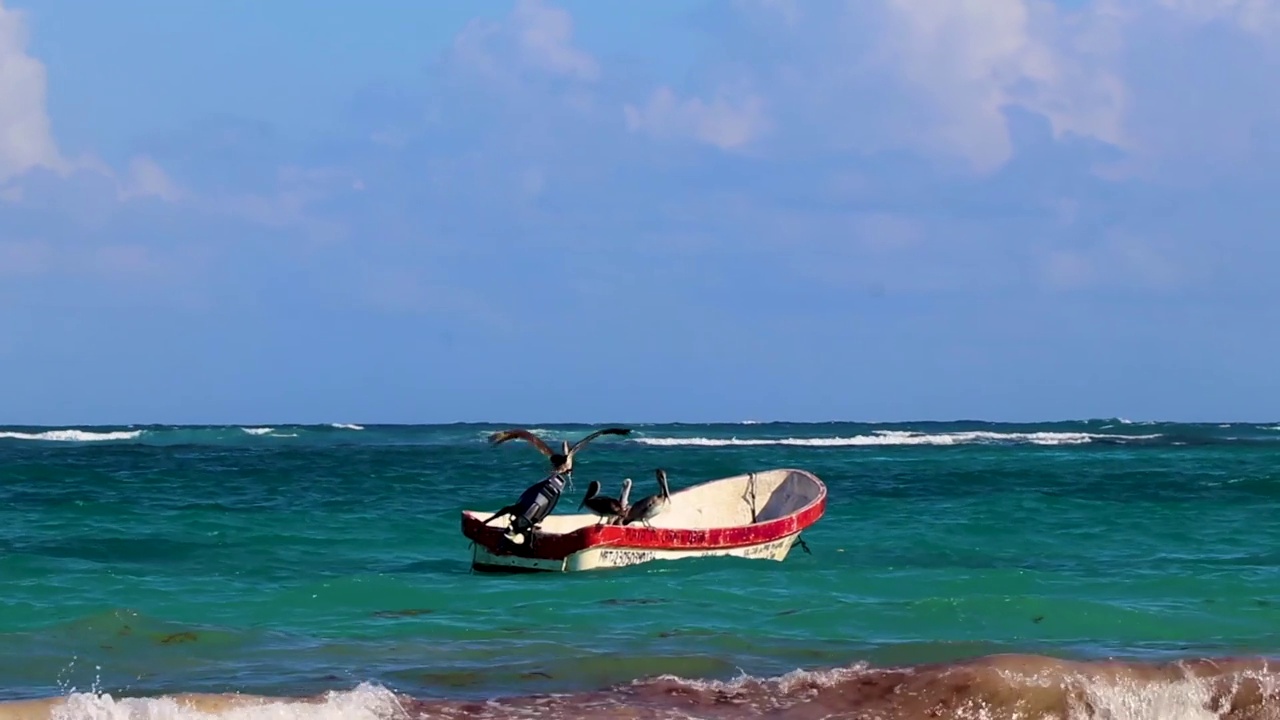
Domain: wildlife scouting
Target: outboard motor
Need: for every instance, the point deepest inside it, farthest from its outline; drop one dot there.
(535, 504)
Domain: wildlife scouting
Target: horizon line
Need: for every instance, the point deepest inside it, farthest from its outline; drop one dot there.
(546, 423)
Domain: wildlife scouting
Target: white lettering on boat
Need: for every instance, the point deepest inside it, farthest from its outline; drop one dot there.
(619, 557)
(768, 548)
(626, 557)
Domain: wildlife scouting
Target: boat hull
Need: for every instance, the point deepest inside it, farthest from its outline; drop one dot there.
(754, 516)
(601, 558)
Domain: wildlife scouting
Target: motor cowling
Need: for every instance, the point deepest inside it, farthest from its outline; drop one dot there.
(536, 503)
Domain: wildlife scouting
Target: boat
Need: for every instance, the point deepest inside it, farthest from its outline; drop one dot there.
(756, 515)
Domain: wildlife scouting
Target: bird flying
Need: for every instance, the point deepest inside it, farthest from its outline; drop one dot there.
(561, 462)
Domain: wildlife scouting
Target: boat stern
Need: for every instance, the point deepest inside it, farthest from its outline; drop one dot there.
(485, 560)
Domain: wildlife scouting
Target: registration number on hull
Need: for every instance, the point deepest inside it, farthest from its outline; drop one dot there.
(619, 557)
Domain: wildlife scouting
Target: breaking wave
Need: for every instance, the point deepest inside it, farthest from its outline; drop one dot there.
(172, 435)
(73, 435)
(906, 437)
(999, 687)
(814, 435)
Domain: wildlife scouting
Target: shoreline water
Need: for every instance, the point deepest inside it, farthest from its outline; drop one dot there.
(997, 687)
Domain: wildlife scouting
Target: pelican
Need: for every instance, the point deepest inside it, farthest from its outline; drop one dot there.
(561, 462)
(646, 509)
(606, 507)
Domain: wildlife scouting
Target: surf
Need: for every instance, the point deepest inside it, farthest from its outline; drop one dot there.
(995, 687)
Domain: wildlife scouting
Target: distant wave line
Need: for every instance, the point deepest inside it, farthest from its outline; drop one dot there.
(903, 437)
(72, 435)
(669, 437)
(75, 435)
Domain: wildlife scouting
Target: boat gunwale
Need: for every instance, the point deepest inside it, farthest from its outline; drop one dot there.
(558, 546)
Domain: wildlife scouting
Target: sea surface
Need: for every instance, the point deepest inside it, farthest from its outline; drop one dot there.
(1071, 569)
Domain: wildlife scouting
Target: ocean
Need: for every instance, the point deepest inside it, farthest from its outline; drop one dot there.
(1094, 569)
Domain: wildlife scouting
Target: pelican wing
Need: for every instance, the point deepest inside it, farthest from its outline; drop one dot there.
(520, 433)
(639, 509)
(598, 433)
(593, 491)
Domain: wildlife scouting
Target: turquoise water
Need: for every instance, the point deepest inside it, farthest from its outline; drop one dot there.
(301, 559)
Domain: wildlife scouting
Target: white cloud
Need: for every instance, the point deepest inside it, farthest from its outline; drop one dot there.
(148, 179)
(935, 78)
(1201, 75)
(939, 78)
(726, 121)
(291, 204)
(539, 34)
(26, 136)
(26, 139)
(546, 38)
(970, 59)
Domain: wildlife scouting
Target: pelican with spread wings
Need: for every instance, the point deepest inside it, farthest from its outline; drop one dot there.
(561, 462)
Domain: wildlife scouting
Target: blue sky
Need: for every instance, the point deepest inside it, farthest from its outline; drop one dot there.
(238, 211)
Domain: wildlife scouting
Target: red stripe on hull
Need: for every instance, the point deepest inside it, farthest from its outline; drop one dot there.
(639, 537)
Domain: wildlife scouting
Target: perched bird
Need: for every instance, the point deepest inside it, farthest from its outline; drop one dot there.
(561, 462)
(606, 507)
(645, 509)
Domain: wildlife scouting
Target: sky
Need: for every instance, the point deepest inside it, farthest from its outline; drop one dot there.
(713, 210)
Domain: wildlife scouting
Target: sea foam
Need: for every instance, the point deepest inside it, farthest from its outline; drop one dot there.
(73, 435)
(903, 437)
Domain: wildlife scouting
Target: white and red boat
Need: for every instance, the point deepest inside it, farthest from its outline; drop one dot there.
(757, 515)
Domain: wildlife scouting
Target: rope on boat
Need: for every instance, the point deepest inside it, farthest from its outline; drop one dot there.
(804, 545)
(751, 489)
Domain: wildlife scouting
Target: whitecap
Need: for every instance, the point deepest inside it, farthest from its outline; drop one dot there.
(74, 435)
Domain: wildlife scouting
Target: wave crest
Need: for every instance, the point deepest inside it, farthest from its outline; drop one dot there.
(998, 687)
(72, 435)
(907, 437)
